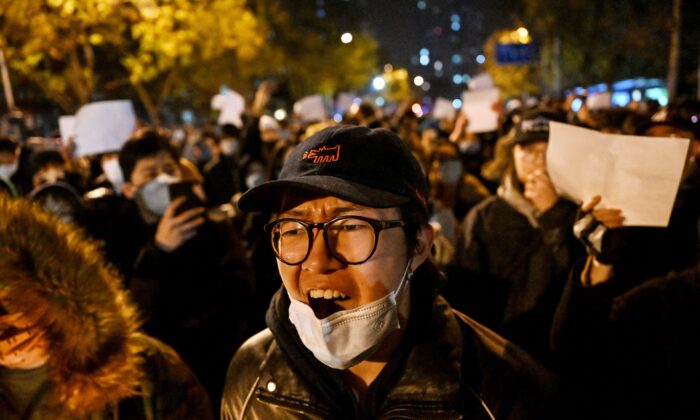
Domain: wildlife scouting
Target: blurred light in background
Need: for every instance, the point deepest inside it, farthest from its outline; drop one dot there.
(379, 101)
(457, 103)
(620, 98)
(388, 68)
(480, 59)
(421, 5)
(280, 114)
(437, 65)
(378, 83)
(457, 79)
(346, 38)
(338, 117)
(576, 104)
(418, 80)
(425, 87)
(657, 94)
(417, 110)
(424, 60)
(187, 117)
(456, 59)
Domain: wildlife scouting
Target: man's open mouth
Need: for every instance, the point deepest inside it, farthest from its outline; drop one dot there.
(324, 302)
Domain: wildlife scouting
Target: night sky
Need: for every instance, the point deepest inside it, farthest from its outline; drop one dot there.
(444, 27)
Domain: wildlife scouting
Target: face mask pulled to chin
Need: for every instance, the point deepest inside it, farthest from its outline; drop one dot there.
(348, 337)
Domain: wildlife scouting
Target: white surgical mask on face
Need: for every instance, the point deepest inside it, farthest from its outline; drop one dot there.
(348, 337)
(155, 195)
(113, 172)
(7, 170)
(229, 147)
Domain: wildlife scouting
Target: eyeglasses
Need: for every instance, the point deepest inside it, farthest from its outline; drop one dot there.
(350, 239)
(533, 153)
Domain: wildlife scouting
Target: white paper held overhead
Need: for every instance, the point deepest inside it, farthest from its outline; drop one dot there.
(103, 126)
(231, 104)
(66, 126)
(443, 109)
(310, 109)
(478, 107)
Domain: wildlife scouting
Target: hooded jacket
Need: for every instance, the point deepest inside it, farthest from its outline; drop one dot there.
(99, 364)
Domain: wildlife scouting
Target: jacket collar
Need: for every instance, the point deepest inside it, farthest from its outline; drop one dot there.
(426, 375)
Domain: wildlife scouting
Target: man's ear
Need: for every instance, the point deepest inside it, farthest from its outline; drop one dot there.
(424, 243)
(128, 190)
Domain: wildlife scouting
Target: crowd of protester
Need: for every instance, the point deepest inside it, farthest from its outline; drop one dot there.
(614, 319)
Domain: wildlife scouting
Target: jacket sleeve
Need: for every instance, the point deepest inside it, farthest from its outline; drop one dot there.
(242, 378)
(171, 390)
(470, 253)
(557, 232)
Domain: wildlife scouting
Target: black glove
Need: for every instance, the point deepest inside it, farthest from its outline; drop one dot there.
(602, 243)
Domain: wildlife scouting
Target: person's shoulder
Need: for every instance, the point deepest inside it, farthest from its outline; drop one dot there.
(488, 203)
(243, 373)
(181, 395)
(253, 350)
(511, 381)
(672, 296)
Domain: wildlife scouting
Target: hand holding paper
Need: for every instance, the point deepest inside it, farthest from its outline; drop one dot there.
(638, 175)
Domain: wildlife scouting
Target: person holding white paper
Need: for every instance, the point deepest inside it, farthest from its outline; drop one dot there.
(624, 333)
(520, 244)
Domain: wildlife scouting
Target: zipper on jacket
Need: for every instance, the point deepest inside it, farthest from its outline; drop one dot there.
(297, 407)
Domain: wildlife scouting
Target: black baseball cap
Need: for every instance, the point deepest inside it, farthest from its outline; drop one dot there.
(371, 167)
(534, 126)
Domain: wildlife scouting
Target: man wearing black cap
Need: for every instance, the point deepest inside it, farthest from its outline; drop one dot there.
(358, 330)
(518, 245)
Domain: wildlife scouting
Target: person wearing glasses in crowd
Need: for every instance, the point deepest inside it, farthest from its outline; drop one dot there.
(358, 329)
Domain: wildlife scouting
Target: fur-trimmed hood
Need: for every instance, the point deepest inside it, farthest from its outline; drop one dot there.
(51, 271)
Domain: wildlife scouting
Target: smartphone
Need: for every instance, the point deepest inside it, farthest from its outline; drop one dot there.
(185, 189)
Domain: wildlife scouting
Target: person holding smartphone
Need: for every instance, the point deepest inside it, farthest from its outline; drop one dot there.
(185, 271)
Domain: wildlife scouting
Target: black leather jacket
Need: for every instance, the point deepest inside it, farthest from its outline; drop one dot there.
(449, 367)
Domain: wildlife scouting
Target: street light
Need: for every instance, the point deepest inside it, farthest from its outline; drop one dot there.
(346, 38)
(378, 83)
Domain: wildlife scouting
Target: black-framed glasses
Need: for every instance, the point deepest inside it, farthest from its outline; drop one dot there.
(350, 239)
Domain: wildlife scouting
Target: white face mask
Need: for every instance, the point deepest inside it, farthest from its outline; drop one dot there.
(229, 147)
(113, 172)
(6, 171)
(348, 337)
(155, 195)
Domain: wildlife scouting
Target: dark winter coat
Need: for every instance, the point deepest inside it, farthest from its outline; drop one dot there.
(99, 364)
(515, 270)
(631, 354)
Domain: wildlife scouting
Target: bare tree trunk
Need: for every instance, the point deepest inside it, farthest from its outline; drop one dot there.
(674, 51)
(148, 103)
(556, 67)
(7, 86)
(697, 91)
(167, 87)
(77, 78)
